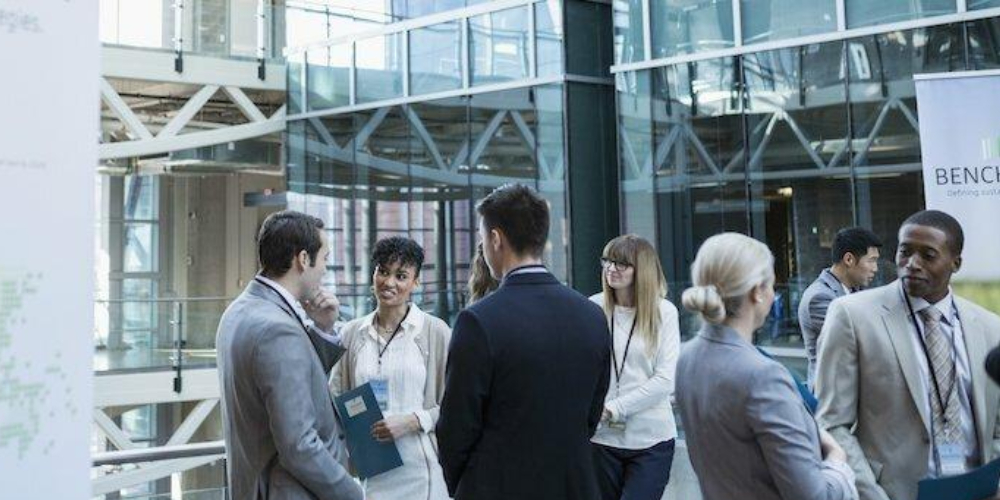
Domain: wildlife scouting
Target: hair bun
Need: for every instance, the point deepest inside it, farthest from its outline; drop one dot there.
(706, 301)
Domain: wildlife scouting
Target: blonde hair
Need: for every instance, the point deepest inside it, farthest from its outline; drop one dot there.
(481, 281)
(649, 285)
(727, 267)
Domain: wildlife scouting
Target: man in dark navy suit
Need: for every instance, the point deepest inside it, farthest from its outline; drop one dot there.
(527, 371)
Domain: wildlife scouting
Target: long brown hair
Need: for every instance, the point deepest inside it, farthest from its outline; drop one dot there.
(649, 286)
(481, 281)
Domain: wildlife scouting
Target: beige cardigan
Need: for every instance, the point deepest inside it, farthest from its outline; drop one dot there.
(432, 339)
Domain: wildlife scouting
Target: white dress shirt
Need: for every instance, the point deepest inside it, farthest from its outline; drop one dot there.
(950, 325)
(331, 336)
(642, 398)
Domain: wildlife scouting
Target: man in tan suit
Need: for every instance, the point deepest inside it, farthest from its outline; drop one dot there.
(900, 379)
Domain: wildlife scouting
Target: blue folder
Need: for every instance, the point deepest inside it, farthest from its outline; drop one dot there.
(978, 484)
(358, 411)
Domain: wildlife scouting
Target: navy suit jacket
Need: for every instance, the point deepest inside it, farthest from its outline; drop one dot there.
(528, 368)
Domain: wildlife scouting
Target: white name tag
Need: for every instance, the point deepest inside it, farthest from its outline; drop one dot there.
(952, 458)
(356, 407)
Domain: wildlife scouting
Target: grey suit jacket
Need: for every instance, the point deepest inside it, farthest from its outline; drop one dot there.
(282, 439)
(748, 433)
(812, 311)
(869, 388)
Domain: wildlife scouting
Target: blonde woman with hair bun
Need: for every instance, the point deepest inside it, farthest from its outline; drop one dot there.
(634, 445)
(748, 432)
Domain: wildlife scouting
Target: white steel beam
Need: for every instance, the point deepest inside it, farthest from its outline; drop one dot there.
(187, 112)
(247, 107)
(112, 431)
(132, 63)
(193, 421)
(118, 481)
(484, 139)
(125, 114)
(154, 387)
(163, 145)
(425, 137)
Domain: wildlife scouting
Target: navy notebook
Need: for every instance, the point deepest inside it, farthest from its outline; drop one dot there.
(358, 411)
(978, 484)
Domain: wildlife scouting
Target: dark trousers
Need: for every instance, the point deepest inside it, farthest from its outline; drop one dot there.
(633, 474)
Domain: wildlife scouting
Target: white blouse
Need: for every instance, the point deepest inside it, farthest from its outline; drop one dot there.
(642, 398)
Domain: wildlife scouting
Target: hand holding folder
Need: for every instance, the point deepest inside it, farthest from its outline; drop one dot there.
(358, 411)
(978, 484)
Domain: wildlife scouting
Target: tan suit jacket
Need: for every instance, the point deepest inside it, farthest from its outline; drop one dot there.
(871, 396)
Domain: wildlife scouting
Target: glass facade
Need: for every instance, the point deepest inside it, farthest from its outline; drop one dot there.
(788, 146)
(418, 168)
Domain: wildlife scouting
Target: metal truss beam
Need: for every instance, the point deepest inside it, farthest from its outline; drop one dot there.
(116, 482)
(188, 111)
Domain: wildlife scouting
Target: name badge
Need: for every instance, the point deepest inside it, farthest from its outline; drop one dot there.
(618, 425)
(380, 387)
(952, 458)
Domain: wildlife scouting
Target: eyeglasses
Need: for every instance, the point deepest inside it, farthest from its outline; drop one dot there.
(607, 264)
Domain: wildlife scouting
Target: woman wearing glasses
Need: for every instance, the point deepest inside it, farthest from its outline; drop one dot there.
(634, 445)
(399, 350)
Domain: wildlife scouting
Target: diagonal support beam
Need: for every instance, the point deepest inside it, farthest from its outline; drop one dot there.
(187, 112)
(366, 132)
(792, 124)
(425, 137)
(114, 433)
(193, 421)
(484, 139)
(630, 160)
(119, 481)
(862, 155)
(700, 149)
(463, 153)
(528, 136)
(125, 114)
(660, 156)
(247, 107)
(322, 132)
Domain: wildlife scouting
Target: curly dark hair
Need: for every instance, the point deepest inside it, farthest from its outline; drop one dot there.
(398, 249)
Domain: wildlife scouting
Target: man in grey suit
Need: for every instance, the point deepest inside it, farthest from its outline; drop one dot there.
(901, 379)
(855, 256)
(276, 349)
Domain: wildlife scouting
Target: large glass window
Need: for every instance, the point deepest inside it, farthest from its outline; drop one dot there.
(627, 22)
(798, 165)
(868, 13)
(686, 26)
(983, 4)
(635, 138)
(765, 20)
(379, 62)
(328, 73)
(499, 46)
(549, 38)
(435, 58)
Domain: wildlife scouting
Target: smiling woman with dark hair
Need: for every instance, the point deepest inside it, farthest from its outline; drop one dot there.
(400, 350)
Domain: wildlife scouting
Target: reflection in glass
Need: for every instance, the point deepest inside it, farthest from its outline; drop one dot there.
(294, 80)
(686, 26)
(328, 74)
(379, 62)
(799, 166)
(138, 312)
(627, 22)
(498, 46)
(140, 200)
(886, 142)
(778, 19)
(550, 150)
(140, 248)
(435, 58)
(984, 43)
(635, 137)
(868, 13)
(982, 4)
(549, 32)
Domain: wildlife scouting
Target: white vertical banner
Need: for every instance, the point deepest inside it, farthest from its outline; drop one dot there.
(960, 145)
(49, 118)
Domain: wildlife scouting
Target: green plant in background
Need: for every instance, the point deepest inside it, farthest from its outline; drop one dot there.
(984, 293)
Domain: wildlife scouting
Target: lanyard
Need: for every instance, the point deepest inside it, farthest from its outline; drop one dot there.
(930, 366)
(614, 355)
(285, 301)
(391, 338)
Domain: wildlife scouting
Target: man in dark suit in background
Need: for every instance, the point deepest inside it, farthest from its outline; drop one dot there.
(855, 256)
(528, 368)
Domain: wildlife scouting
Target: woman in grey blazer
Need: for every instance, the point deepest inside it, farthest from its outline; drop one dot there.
(749, 435)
